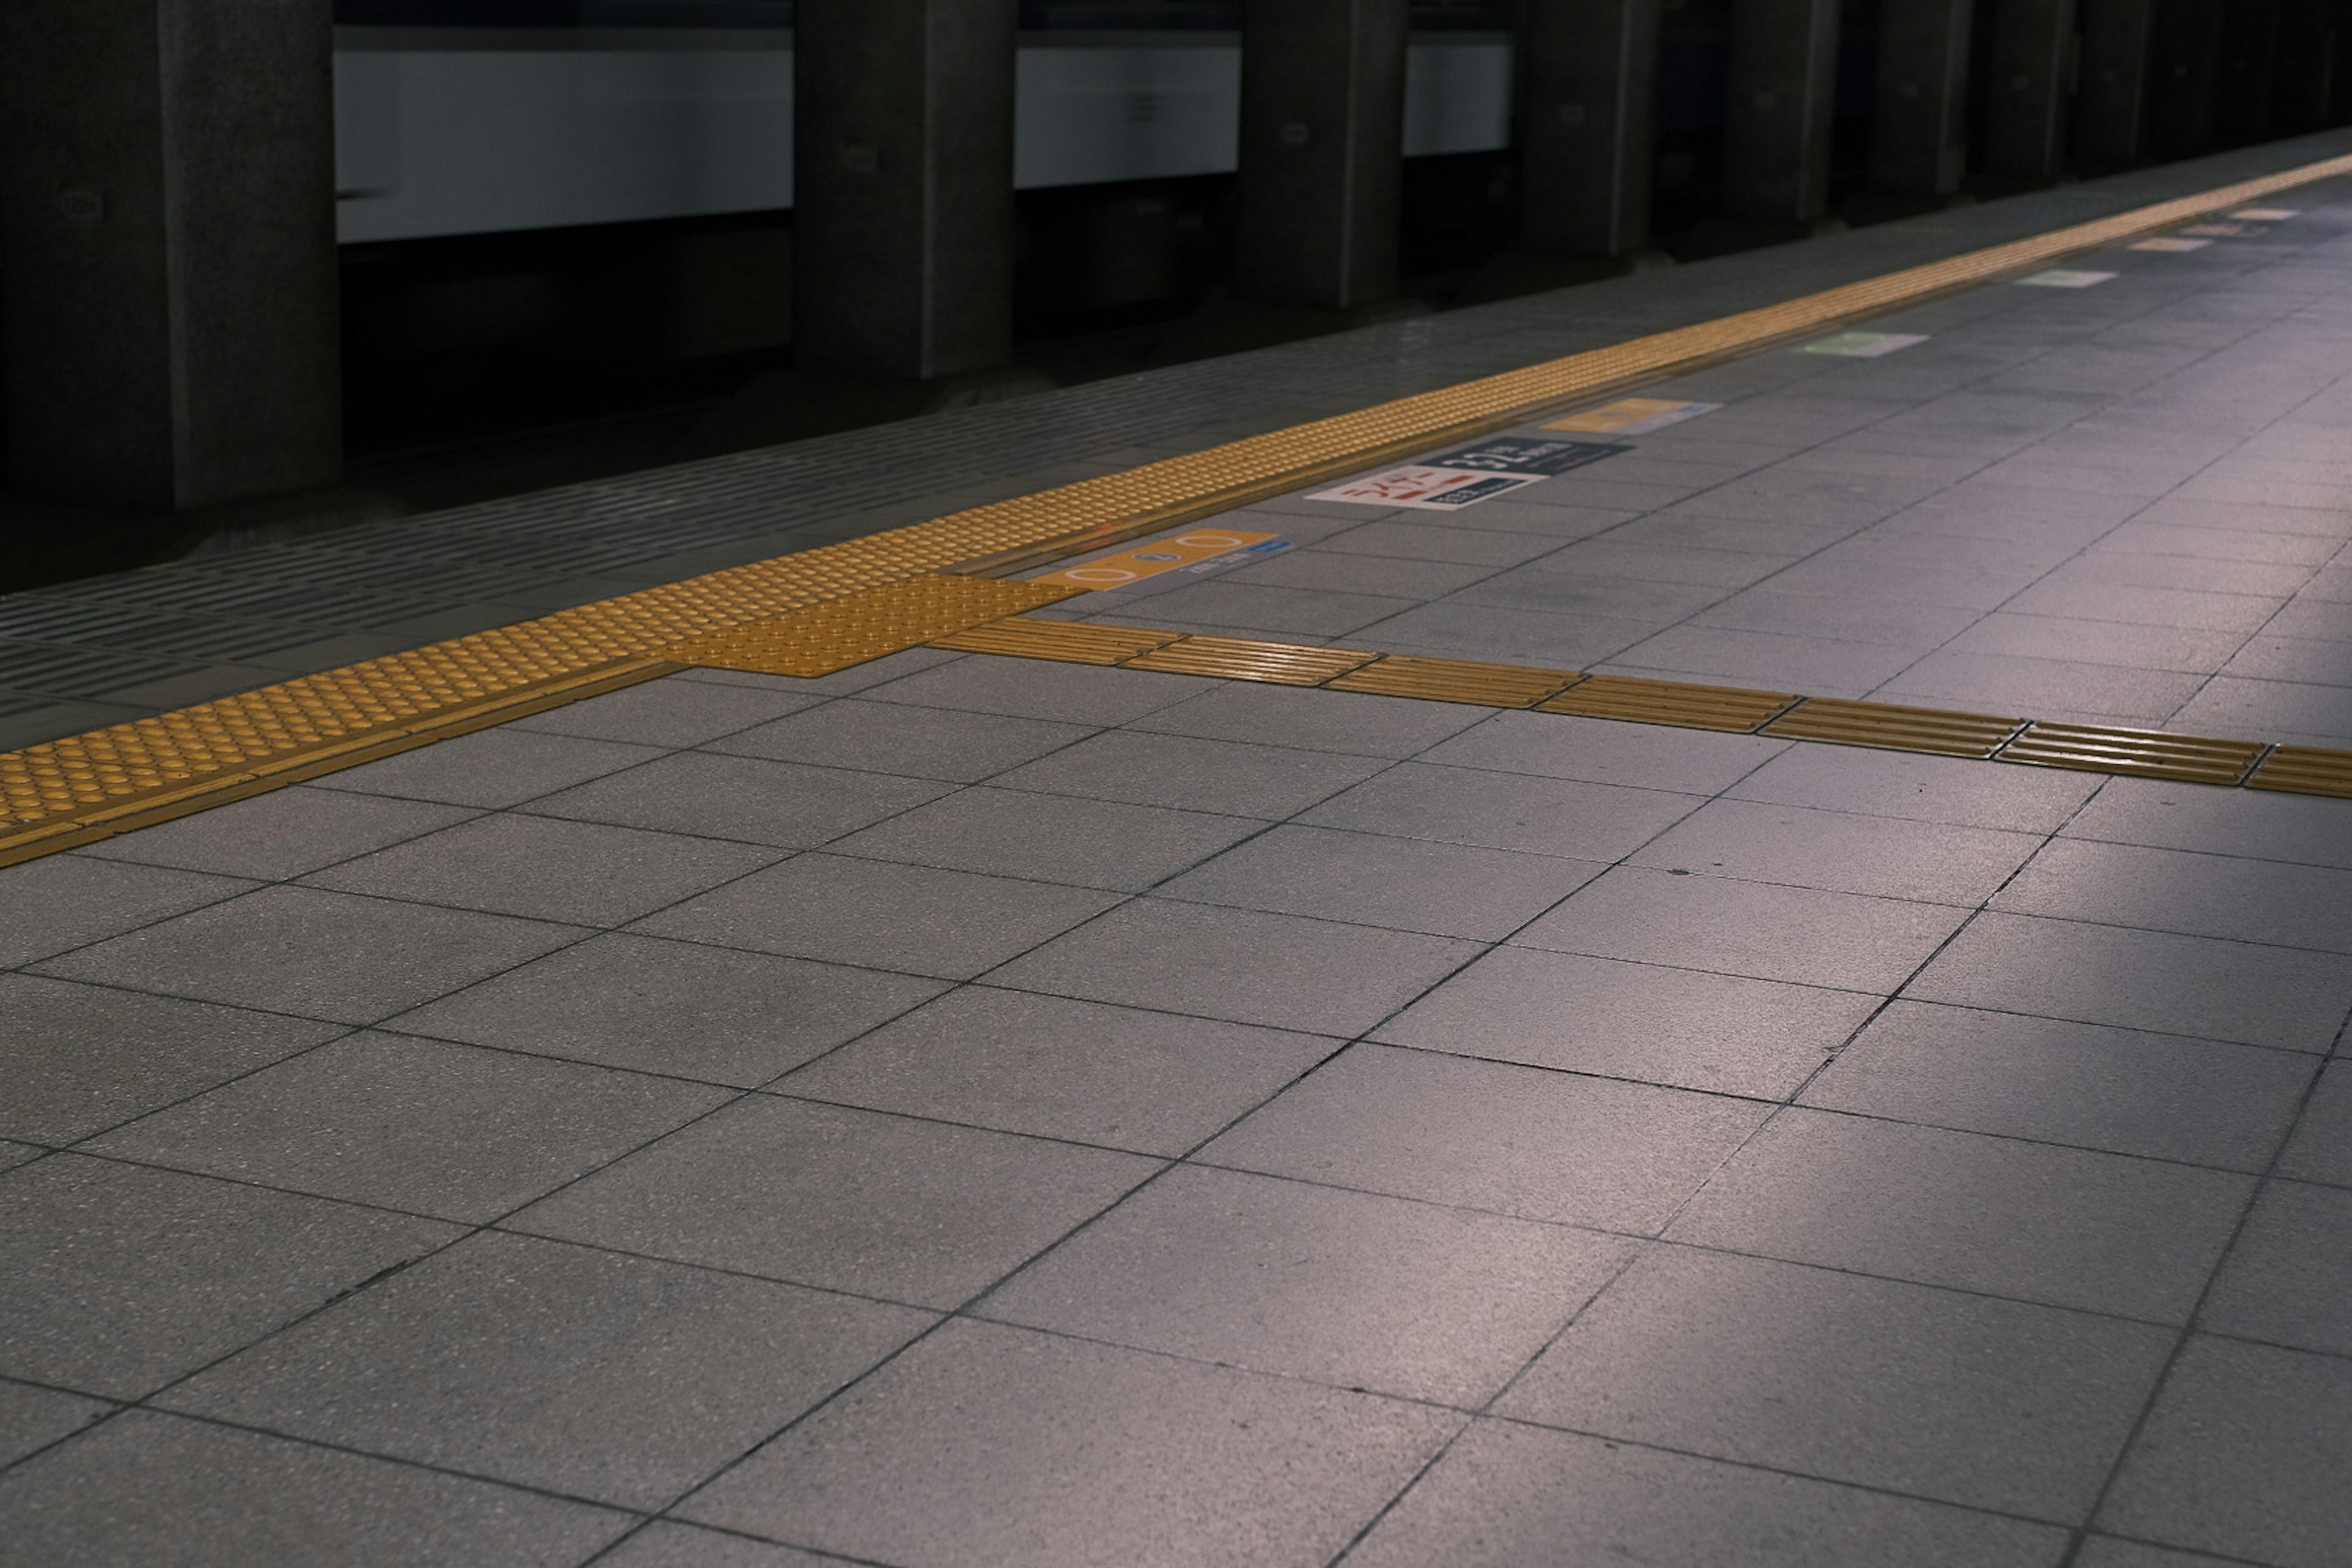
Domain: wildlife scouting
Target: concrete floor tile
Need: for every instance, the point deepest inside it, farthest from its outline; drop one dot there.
(1052, 837)
(14, 1154)
(780, 803)
(1239, 779)
(279, 835)
(78, 1059)
(1724, 569)
(2118, 643)
(1996, 683)
(1535, 588)
(2155, 538)
(2199, 1101)
(32, 1418)
(2143, 980)
(413, 1124)
(1511, 1139)
(1281, 970)
(2126, 567)
(1596, 750)
(1965, 1399)
(2321, 1149)
(148, 1487)
(583, 873)
(2242, 613)
(2304, 830)
(1348, 721)
(1508, 1496)
(1895, 623)
(897, 737)
(670, 712)
(1769, 661)
(2269, 710)
(1354, 572)
(1265, 609)
(998, 1445)
(666, 1545)
(121, 1278)
(490, 768)
(2106, 1552)
(1030, 688)
(1954, 790)
(1449, 629)
(1803, 935)
(2067, 1227)
(1845, 852)
(1151, 1082)
(1525, 812)
(2288, 1281)
(918, 919)
(2304, 661)
(321, 954)
(623, 1380)
(2194, 894)
(63, 902)
(2244, 1455)
(1358, 1292)
(1427, 543)
(1406, 884)
(842, 1199)
(676, 1008)
(1640, 1021)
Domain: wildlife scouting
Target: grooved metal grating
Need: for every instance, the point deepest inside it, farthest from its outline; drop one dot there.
(1888, 727)
(2140, 753)
(2305, 770)
(863, 626)
(1066, 642)
(46, 789)
(1675, 702)
(1454, 680)
(1237, 658)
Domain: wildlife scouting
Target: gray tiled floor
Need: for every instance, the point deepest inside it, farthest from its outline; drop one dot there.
(972, 1110)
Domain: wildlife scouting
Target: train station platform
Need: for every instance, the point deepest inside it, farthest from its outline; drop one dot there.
(1730, 949)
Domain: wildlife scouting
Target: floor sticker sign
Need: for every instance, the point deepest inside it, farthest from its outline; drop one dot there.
(2066, 277)
(2267, 215)
(2171, 244)
(1632, 416)
(1203, 549)
(1862, 345)
(1473, 474)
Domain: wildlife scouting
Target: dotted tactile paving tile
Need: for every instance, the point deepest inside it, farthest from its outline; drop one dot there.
(865, 625)
(64, 790)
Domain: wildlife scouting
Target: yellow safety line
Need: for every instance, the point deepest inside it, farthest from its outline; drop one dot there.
(69, 791)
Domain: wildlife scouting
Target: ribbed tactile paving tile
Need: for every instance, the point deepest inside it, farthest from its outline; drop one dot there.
(2138, 753)
(1065, 642)
(2305, 770)
(1454, 680)
(860, 628)
(1238, 658)
(1675, 702)
(1889, 728)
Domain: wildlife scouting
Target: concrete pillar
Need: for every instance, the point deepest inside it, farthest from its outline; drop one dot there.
(2183, 77)
(167, 238)
(2032, 69)
(1782, 95)
(1320, 192)
(2241, 107)
(1918, 129)
(2112, 80)
(902, 227)
(1589, 86)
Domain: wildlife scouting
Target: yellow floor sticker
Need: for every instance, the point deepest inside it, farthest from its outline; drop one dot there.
(1198, 547)
(1632, 416)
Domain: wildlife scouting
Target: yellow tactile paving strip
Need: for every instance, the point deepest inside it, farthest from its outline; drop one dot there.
(1880, 726)
(74, 790)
